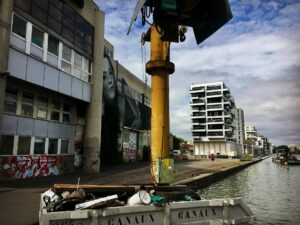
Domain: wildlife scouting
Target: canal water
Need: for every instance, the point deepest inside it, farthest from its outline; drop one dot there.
(271, 190)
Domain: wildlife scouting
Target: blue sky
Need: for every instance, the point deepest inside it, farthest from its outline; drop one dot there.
(257, 55)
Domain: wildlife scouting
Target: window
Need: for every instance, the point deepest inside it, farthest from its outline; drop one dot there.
(19, 26)
(86, 70)
(61, 18)
(24, 145)
(37, 37)
(55, 110)
(77, 65)
(66, 113)
(53, 45)
(52, 149)
(39, 146)
(11, 101)
(64, 149)
(42, 108)
(66, 59)
(6, 145)
(27, 104)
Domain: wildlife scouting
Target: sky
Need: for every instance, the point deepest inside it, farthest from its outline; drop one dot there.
(256, 54)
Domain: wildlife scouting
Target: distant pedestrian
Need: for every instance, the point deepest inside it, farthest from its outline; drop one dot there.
(212, 156)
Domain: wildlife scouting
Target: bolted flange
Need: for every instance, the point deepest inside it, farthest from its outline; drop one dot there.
(159, 66)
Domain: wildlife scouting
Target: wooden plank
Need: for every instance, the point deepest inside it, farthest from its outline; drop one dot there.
(95, 188)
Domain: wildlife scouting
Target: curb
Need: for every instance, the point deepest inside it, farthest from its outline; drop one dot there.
(204, 180)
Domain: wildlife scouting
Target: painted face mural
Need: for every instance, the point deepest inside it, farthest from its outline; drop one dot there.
(109, 82)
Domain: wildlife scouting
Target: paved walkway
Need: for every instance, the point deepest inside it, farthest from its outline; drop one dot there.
(19, 200)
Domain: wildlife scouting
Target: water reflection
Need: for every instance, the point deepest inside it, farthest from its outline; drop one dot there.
(271, 190)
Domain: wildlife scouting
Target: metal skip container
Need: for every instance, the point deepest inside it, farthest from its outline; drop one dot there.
(202, 212)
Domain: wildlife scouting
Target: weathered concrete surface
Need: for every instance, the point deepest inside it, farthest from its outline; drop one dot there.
(19, 200)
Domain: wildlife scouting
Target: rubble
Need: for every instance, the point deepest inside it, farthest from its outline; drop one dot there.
(80, 197)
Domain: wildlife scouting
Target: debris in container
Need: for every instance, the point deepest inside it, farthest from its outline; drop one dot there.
(157, 200)
(142, 197)
(65, 194)
(65, 204)
(80, 193)
(50, 197)
(97, 202)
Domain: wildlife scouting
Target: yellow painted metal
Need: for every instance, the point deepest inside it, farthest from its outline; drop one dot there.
(165, 170)
(160, 124)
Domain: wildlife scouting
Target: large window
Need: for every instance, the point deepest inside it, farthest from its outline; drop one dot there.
(37, 37)
(19, 26)
(87, 70)
(42, 108)
(53, 45)
(77, 65)
(11, 101)
(66, 113)
(39, 146)
(64, 149)
(53, 146)
(55, 110)
(27, 104)
(66, 59)
(71, 62)
(6, 145)
(62, 19)
(24, 145)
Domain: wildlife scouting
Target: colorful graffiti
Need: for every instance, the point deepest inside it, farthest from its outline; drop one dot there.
(22, 167)
(129, 155)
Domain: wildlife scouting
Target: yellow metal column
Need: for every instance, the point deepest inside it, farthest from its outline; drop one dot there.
(159, 67)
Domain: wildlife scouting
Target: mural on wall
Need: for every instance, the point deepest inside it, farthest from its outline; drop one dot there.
(110, 117)
(21, 167)
(133, 112)
(122, 107)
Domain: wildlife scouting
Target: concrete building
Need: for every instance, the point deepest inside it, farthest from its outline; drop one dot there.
(240, 126)
(54, 69)
(264, 145)
(213, 120)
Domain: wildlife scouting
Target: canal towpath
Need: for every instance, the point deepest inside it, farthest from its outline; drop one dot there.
(19, 199)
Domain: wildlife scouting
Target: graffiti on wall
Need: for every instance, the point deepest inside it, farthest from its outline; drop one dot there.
(31, 166)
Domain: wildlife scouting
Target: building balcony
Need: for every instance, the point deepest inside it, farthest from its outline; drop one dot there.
(212, 135)
(197, 90)
(197, 115)
(215, 120)
(218, 106)
(199, 128)
(197, 102)
(214, 94)
(213, 88)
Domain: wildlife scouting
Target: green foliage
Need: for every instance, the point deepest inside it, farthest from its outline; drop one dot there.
(246, 157)
(178, 142)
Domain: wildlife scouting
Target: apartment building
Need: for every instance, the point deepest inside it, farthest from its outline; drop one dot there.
(251, 133)
(213, 120)
(240, 126)
(56, 79)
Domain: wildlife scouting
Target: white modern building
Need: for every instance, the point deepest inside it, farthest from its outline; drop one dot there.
(250, 133)
(213, 120)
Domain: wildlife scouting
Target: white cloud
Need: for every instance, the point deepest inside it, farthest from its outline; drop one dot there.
(257, 55)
